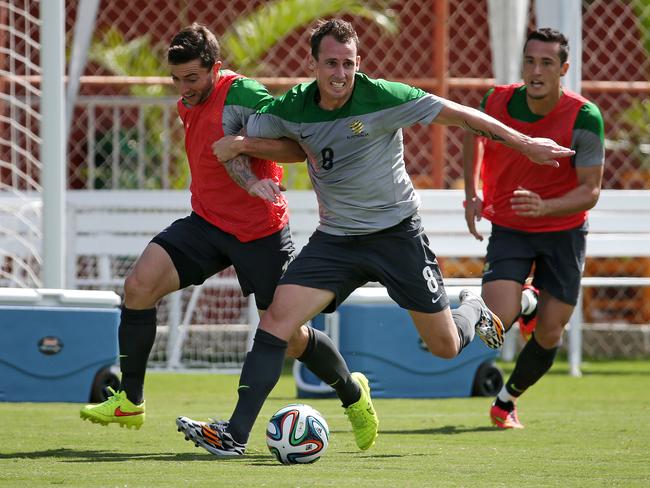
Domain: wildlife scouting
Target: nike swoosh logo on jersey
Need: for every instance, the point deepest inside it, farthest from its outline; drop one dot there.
(119, 413)
(435, 300)
(303, 136)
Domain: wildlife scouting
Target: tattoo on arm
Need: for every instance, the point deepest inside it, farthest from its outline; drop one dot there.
(482, 133)
(239, 169)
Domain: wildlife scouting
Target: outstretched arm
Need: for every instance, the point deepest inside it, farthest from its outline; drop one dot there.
(538, 149)
(283, 150)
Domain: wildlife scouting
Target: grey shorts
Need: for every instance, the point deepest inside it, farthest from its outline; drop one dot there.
(199, 250)
(559, 259)
(400, 258)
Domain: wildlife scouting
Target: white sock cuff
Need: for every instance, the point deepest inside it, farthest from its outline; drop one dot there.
(528, 301)
(504, 396)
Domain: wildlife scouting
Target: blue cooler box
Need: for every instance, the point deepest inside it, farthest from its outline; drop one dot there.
(56, 345)
(378, 338)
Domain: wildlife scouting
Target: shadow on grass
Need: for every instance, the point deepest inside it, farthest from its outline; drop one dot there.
(83, 456)
(595, 373)
(293, 399)
(445, 430)
(270, 462)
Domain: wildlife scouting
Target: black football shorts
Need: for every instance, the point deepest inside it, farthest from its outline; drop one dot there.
(400, 258)
(559, 259)
(199, 250)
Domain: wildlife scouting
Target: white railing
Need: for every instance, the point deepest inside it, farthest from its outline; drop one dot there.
(109, 226)
(153, 141)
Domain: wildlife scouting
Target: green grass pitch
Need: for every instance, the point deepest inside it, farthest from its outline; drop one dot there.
(592, 431)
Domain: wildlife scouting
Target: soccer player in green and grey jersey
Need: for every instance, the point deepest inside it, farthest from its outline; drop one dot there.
(355, 154)
(350, 128)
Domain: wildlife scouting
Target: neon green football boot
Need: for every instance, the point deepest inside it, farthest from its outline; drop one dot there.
(118, 409)
(362, 415)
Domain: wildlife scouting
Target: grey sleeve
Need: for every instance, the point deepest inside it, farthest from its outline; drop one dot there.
(589, 149)
(422, 110)
(266, 126)
(234, 118)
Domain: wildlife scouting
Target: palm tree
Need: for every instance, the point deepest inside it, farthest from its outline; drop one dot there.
(244, 43)
(252, 35)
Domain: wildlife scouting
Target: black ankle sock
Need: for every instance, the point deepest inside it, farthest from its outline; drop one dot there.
(136, 334)
(323, 359)
(260, 373)
(533, 362)
(507, 406)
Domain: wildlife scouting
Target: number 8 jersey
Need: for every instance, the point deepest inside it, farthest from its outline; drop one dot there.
(355, 153)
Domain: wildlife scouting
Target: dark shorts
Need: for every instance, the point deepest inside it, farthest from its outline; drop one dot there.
(400, 258)
(559, 259)
(199, 250)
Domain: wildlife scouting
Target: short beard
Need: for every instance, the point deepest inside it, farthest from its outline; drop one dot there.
(206, 94)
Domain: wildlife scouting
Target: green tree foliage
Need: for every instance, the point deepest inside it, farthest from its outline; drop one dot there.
(642, 11)
(636, 118)
(244, 44)
(251, 36)
(636, 131)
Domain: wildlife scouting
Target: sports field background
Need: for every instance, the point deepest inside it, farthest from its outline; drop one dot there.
(592, 431)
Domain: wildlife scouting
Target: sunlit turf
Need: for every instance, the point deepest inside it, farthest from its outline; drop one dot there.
(588, 431)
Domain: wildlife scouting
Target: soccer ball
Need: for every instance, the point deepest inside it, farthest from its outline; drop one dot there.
(297, 434)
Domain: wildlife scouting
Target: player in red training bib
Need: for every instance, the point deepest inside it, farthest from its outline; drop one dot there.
(538, 214)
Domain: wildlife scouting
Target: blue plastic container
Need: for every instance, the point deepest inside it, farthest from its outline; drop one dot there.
(377, 337)
(54, 343)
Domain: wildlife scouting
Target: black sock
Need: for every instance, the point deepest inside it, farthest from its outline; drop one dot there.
(136, 334)
(260, 373)
(533, 362)
(323, 359)
(507, 406)
(465, 318)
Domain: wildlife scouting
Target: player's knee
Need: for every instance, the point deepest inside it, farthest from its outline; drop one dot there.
(448, 352)
(445, 348)
(548, 337)
(298, 343)
(273, 317)
(277, 322)
(138, 293)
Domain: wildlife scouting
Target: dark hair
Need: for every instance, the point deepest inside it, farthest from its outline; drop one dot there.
(341, 30)
(194, 42)
(546, 34)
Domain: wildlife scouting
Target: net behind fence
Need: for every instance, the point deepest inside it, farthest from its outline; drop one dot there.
(20, 166)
